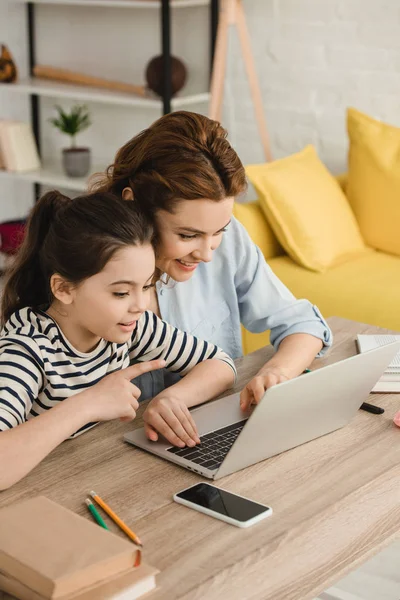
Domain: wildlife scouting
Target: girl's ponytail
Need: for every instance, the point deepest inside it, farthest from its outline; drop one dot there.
(27, 283)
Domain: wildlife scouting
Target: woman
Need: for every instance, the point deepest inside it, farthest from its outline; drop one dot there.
(185, 175)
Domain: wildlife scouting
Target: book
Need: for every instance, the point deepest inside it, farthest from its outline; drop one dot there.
(130, 585)
(55, 552)
(18, 147)
(2, 163)
(390, 380)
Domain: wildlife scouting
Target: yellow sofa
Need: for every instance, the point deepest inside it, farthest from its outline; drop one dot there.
(365, 288)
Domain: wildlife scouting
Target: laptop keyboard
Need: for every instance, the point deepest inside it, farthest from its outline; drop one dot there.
(213, 448)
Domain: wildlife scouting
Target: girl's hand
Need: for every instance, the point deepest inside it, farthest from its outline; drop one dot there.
(115, 397)
(171, 417)
(396, 419)
(266, 378)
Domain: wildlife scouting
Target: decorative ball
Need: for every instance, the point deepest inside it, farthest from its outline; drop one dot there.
(8, 69)
(154, 75)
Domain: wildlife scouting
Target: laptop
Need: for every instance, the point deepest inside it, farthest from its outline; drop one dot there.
(289, 414)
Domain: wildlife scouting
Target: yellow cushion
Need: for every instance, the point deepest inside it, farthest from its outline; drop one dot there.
(373, 186)
(342, 181)
(365, 289)
(252, 217)
(307, 210)
(254, 341)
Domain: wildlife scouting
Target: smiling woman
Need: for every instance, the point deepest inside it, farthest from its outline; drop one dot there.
(183, 173)
(193, 245)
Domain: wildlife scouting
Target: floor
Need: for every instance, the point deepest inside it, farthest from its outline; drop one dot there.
(377, 579)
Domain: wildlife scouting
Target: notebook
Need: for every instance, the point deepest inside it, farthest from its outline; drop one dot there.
(129, 586)
(55, 552)
(390, 380)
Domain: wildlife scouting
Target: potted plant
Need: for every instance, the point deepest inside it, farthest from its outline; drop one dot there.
(76, 160)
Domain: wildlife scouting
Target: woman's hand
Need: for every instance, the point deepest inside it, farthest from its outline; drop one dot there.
(169, 416)
(115, 397)
(266, 378)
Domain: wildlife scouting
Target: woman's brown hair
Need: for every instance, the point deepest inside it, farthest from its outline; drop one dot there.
(74, 238)
(182, 156)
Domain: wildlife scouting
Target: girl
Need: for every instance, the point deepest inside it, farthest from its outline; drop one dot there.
(74, 315)
(184, 174)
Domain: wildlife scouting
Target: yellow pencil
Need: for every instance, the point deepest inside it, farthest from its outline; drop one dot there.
(116, 519)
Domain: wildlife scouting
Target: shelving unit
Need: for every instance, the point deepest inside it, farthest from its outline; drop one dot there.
(124, 3)
(53, 89)
(51, 175)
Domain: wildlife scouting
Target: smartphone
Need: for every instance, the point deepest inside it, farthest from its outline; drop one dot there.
(223, 505)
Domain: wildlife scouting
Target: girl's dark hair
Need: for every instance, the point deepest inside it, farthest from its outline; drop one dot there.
(182, 156)
(74, 238)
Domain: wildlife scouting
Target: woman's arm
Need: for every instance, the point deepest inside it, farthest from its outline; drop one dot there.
(296, 352)
(265, 303)
(298, 331)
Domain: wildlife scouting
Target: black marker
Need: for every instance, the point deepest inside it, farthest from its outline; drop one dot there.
(376, 410)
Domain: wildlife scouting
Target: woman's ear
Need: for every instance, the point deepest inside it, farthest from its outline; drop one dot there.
(127, 193)
(61, 289)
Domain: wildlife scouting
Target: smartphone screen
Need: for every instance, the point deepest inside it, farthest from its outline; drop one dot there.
(222, 502)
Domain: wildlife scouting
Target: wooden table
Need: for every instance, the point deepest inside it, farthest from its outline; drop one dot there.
(336, 501)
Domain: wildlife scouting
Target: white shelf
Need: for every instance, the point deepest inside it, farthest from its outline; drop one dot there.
(54, 89)
(53, 176)
(124, 3)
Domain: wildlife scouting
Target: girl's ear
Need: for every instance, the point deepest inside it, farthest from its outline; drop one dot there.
(127, 193)
(61, 289)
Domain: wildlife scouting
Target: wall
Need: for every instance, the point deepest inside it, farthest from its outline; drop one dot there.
(314, 58)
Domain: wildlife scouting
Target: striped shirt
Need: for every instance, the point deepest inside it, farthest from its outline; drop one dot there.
(39, 367)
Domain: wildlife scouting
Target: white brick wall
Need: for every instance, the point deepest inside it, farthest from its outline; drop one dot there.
(314, 58)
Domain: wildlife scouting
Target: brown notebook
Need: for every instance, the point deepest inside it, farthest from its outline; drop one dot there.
(55, 552)
(130, 585)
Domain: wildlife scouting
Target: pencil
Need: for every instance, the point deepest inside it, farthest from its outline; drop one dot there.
(116, 519)
(95, 514)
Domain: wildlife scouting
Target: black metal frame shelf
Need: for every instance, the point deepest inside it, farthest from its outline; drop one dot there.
(165, 14)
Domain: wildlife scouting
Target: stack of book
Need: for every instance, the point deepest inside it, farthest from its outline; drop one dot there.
(50, 553)
(18, 150)
(390, 380)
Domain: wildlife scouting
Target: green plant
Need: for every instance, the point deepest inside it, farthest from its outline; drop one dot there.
(73, 122)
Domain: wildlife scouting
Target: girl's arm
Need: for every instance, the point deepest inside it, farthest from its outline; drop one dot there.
(23, 447)
(207, 370)
(168, 413)
(181, 351)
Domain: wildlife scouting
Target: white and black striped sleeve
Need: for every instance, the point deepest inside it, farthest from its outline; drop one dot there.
(155, 338)
(21, 378)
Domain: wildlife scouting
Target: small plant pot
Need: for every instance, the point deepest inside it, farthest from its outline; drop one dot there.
(76, 161)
